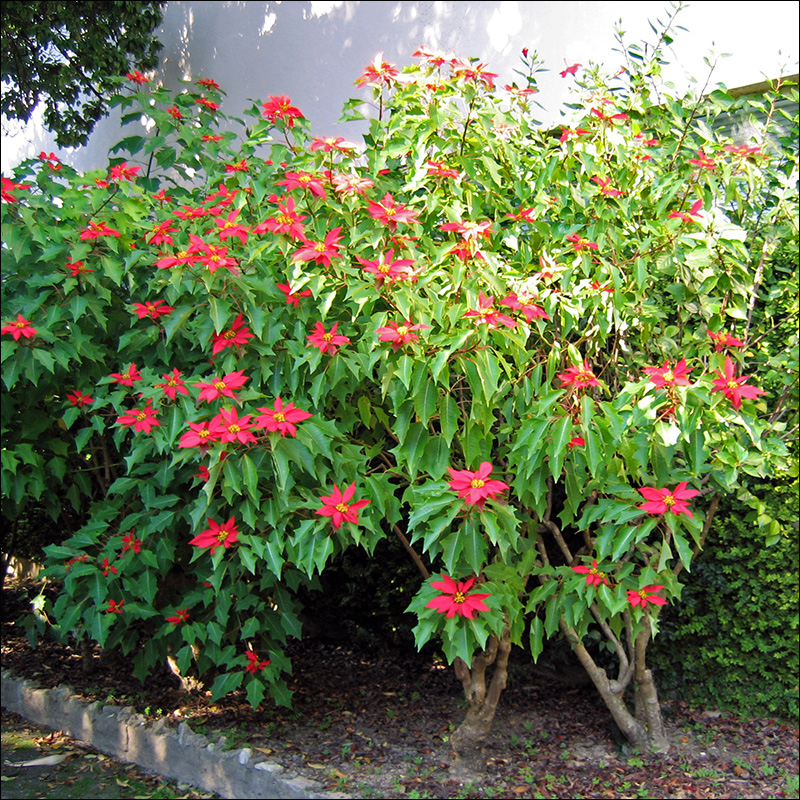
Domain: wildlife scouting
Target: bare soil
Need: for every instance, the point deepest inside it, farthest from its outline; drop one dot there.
(376, 723)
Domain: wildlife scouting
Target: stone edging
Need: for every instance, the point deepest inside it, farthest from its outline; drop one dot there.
(179, 755)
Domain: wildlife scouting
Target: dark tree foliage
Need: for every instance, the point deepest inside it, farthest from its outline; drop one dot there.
(67, 54)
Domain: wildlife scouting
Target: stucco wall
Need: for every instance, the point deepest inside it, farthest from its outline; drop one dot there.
(314, 51)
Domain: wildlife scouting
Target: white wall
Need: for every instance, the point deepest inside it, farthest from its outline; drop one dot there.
(314, 51)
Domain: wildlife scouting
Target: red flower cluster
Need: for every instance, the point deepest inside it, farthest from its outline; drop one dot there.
(142, 419)
(579, 376)
(339, 509)
(660, 501)
(475, 487)
(486, 314)
(216, 535)
(235, 336)
(254, 665)
(281, 418)
(181, 615)
(326, 341)
(734, 388)
(594, 576)
(281, 108)
(21, 327)
(399, 335)
(456, 599)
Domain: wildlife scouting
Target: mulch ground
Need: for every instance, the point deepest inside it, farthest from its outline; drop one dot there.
(377, 724)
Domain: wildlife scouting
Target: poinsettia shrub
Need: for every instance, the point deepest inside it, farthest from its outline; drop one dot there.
(525, 354)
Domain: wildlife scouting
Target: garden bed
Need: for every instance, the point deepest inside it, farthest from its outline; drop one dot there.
(375, 724)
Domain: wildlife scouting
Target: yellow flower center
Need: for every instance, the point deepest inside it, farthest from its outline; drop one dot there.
(284, 220)
(229, 334)
(402, 330)
(342, 508)
(669, 376)
(204, 433)
(20, 324)
(732, 384)
(223, 535)
(141, 415)
(327, 337)
(320, 247)
(669, 501)
(476, 483)
(278, 417)
(234, 428)
(220, 385)
(384, 268)
(459, 597)
(182, 254)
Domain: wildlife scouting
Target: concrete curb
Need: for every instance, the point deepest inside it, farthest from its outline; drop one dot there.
(179, 755)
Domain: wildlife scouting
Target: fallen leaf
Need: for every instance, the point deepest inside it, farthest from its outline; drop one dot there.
(7, 778)
(47, 761)
(316, 766)
(265, 750)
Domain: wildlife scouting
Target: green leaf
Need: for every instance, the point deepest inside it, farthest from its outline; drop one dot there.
(536, 638)
(225, 684)
(684, 550)
(448, 418)
(255, 692)
(557, 447)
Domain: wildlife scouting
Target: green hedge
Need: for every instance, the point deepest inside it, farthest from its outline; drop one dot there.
(732, 642)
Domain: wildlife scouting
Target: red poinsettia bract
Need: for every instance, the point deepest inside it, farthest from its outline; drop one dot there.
(79, 399)
(152, 308)
(579, 376)
(378, 73)
(199, 435)
(254, 665)
(280, 107)
(647, 595)
(456, 599)
(142, 419)
(669, 376)
(215, 535)
(475, 487)
(660, 501)
(399, 335)
(734, 388)
(293, 298)
(320, 252)
(594, 576)
(339, 509)
(281, 418)
(127, 378)
(20, 327)
(222, 387)
(181, 615)
(236, 336)
(390, 213)
(525, 304)
(487, 314)
(326, 341)
(723, 340)
(173, 385)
